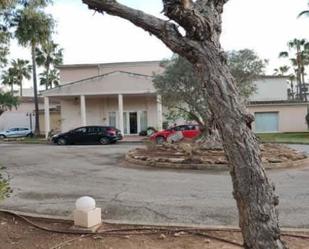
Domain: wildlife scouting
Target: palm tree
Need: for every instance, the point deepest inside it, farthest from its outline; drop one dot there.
(281, 71)
(299, 61)
(33, 28)
(8, 78)
(7, 102)
(4, 48)
(49, 56)
(6, 9)
(22, 70)
(304, 13)
(49, 79)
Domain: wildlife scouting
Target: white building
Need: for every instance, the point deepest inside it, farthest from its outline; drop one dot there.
(123, 95)
(273, 111)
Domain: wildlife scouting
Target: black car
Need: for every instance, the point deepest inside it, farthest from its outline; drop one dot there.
(87, 135)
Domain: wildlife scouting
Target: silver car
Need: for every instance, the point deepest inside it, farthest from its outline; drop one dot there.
(16, 132)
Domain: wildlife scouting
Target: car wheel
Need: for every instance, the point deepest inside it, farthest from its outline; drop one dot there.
(2, 136)
(30, 135)
(160, 140)
(104, 140)
(61, 141)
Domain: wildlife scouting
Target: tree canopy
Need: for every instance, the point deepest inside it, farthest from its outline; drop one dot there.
(7, 102)
(49, 56)
(34, 28)
(181, 90)
(298, 56)
(246, 66)
(183, 93)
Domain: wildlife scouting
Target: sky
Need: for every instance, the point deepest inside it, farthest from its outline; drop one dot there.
(87, 37)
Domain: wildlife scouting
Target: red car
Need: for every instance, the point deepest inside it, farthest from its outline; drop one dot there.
(188, 131)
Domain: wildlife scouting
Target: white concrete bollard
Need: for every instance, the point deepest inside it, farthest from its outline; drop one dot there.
(86, 214)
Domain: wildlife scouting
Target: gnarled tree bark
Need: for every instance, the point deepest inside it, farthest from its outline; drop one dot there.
(201, 20)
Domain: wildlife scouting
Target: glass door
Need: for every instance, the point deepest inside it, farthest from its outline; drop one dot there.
(133, 122)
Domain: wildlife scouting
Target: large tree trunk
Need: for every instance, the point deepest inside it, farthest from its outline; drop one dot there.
(201, 20)
(253, 192)
(209, 137)
(21, 89)
(35, 92)
(47, 79)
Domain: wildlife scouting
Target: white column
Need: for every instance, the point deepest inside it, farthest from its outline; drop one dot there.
(46, 116)
(120, 113)
(159, 113)
(83, 110)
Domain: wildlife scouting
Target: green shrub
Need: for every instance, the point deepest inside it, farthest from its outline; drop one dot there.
(150, 145)
(5, 189)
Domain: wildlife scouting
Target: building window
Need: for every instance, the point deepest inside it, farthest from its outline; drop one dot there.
(266, 122)
(112, 119)
(143, 120)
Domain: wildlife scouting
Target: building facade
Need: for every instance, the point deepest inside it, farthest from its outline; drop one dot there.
(123, 95)
(115, 94)
(24, 116)
(272, 109)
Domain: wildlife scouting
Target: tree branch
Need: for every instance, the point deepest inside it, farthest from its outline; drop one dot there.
(164, 30)
(193, 115)
(197, 26)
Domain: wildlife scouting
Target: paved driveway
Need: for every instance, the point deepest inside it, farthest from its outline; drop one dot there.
(48, 179)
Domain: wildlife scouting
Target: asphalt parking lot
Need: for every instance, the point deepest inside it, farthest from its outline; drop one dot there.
(47, 179)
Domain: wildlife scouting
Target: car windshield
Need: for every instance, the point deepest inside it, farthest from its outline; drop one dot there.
(83, 129)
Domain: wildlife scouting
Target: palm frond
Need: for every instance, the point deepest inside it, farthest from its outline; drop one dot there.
(283, 54)
(303, 13)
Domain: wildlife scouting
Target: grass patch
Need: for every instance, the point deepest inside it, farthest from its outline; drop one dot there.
(287, 137)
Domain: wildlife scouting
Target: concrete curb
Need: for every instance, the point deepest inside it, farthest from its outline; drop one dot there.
(126, 222)
(219, 167)
(130, 142)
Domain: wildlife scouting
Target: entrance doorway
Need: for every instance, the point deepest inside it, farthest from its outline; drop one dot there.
(133, 122)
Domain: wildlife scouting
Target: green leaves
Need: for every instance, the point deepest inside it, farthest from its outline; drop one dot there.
(246, 67)
(49, 78)
(184, 94)
(181, 90)
(49, 56)
(7, 102)
(19, 70)
(33, 27)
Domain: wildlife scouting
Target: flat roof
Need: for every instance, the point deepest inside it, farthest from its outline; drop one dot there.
(274, 76)
(129, 63)
(277, 102)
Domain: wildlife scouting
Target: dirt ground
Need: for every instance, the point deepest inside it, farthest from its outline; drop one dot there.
(15, 233)
(188, 155)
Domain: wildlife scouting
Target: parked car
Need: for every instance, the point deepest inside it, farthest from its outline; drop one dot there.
(148, 132)
(87, 135)
(188, 131)
(16, 132)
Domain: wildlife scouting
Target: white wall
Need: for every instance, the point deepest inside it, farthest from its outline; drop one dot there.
(17, 117)
(70, 114)
(97, 109)
(291, 117)
(270, 89)
(77, 72)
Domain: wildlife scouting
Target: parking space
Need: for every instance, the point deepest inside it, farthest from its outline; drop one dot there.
(47, 179)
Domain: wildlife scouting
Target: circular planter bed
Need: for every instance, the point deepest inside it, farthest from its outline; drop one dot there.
(187, 156)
